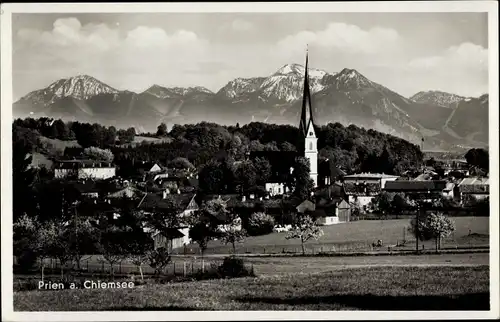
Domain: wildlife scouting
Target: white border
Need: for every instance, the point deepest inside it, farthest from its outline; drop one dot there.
(6, 165)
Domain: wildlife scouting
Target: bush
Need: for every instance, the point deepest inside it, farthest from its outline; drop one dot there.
(260, 223)
(26, 260)
(234, 267)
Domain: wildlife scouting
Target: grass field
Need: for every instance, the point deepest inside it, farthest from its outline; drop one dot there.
(374, 288)
(359, 235)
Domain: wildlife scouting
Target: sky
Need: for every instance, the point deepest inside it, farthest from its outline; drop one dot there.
(406, 52)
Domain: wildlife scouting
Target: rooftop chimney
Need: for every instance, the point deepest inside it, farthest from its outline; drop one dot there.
(243, 198)
(165, 193)
(252, 196)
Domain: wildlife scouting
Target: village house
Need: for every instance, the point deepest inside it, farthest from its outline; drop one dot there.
(362, 188)
(84, 169)
(475, 187)
(87, 188)
(275, 188)
(128, 191)
(448, 191)
(418, 190)
(329, 172)
(327, 211)
(176, 237)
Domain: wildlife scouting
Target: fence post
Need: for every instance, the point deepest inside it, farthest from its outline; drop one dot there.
(184, 269)
(202, 266)
(192, 268)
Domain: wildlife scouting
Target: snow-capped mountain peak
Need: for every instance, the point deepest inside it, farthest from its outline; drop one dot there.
(164, 92)
(80, 87)
(240, 86)
(351, 79)
(437, 98)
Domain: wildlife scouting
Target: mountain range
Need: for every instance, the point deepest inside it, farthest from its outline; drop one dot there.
(444, 120)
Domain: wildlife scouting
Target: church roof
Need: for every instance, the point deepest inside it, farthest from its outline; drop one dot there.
(306, 115)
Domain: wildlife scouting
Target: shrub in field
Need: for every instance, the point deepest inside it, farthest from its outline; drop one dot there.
(260, 223)
(158, 259)
(234, 267)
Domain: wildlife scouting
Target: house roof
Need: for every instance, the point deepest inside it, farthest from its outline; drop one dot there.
(328, 202)
(415, 186)
(155, 200)
(87, 186)
(306, 205)
(328, 168)
(362, 189)
(78, 164)
(475, 189)
(170, 233)
(333, 190)
(475, 181)
(361, 176)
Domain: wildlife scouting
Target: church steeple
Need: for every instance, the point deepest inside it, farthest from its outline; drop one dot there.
(306, 114)
(308, 145)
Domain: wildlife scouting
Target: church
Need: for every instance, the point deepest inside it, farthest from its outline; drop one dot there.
(281, 161)
(308, 142)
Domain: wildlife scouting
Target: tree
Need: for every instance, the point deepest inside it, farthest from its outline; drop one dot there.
(245, 176)
(304, 228)
(58, 243)
(126, 136)
(205, 221)
(231, 231)
(60, 130)
(81, 236)
(478, 158)
(181, 163)
(162, 130)
(383, 202)
(287, 146)
(432, 226)
(356, 209)
(303, 185)
(260, 223)
(158, 259)
(25, 234)
(45, 240)
(98, 154)
(262, 169)
(23, 142)
(211, 177)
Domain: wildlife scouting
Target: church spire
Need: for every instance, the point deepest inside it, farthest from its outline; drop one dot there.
(306, 114)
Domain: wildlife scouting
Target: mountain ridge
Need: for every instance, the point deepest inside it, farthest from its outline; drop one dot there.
(346, 96)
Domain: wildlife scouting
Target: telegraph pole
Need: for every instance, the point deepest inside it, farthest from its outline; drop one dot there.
(417, 226)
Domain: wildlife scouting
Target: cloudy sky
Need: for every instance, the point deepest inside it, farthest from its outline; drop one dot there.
(407, 52)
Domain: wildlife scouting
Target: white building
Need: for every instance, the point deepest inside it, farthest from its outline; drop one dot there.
(84, 169)
(363, 187)
(307, 131)
(275, 189)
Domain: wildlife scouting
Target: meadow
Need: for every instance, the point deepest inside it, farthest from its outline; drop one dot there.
(358, 236)
(369, 288)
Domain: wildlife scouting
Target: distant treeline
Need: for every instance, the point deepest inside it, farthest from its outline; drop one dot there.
(352, 148)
